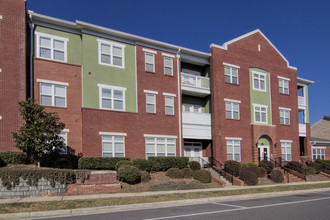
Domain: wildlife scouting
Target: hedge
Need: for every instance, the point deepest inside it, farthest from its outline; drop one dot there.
(203, 176)
(175, 173)
(122, 163)
(165, 163)
(142, 164)
(99, 163)
(129, 174)
(232, 167)
(194, 165)
(9, 157)
(249, 176)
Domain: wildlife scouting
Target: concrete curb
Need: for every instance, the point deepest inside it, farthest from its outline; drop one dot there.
(107, 209)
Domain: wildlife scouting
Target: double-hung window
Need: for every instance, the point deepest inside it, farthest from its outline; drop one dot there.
(149, 58)
(318, 153)
(169, 103)
(161, 145)
(150, 101)
(111, 53)
(113, 144)
(64, 136)
(232, 109)
(260, 113)
(285, 116)
(168, 64)
(51, 47)
(286, 150)
(111, 97)
(259, 81)
(283, 84)
(52, 93)
(233, 149)
(231, 73)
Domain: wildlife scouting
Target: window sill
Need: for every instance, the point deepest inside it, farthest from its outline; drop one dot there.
(150, 72)
(285, 124)
(233, 119)
(51, 106)
(234, 84)
(169, 75)
(284, 94)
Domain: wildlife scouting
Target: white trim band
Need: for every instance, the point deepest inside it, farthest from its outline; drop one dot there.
(281, 108)
(281, 77)
(149, 51)
(232, 100)
(289, 141)
(112, 133)
(160, 136)
(111, 87)
(231, 65)
(52, 82)
(169, 94)
(168, 55)
(233, 138)
(150, 92)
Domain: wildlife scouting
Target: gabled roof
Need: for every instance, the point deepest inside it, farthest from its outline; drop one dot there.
(225, 45)
(321, 129)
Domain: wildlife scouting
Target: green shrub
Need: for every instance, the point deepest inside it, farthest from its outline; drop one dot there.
(307, 170)
(294, 165)
(63, 163)
(122, 163)
(10, 157)
(174, 173)
(166, 163)
(232, 167)
(262, 172)
(2, 163)
(316, 166)
(187, 173)
(145, 176)
(268, 165)
(249, 176)
(247, 165)
(142, 164)
(194, 165)
(325, 164)
(203, 176)
(276, 176)
(129, 174)
(99, 163)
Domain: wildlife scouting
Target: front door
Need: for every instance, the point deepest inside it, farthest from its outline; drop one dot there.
(263, 152)
(193, 151)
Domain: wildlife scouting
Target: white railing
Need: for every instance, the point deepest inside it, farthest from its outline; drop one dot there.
(195, 81)
(302, 130)
(301, 101)
(196, 125)
(196, 118)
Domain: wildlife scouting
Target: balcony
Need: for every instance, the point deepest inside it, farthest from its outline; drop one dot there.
(195, 85)
(196, 125)
(302, 130)
(301, 102)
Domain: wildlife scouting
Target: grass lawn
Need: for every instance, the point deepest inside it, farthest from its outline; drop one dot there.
(74, 204)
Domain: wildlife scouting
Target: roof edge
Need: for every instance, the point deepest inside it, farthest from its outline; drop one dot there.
(306, 81)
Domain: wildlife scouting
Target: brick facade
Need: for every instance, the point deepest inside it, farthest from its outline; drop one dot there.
(13, 69)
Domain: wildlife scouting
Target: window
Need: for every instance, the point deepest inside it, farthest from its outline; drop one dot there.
(113, 144)
(286, 150)
(149, 57)
(111, 53)
(111, 97)
(233, 149)
(231, 73)
(192, 108)
(151, 103)
(259, 81)
(260, 114)
(285, 116)
(283, 85)
(52, 93)
(169, 103)
(168, 64)
(232, 109)
(64, 135)
(51, 47)
(160, 146)
(318, 153)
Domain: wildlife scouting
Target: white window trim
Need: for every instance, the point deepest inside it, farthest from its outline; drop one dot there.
(151, 103)
(53, 84)
(169, 94)
(321, 148)
(231, 65)
(168, 55)
(281, 77)
(289, 141)
(111, 44)
(286, 155)
(112, 133)
(171, 66)
(232, 109)
(233, 138)
(160, 136)
(285, 110)
(113, 145)
(103, 86)
(254, 115)
(232, 100)
(150, 91)
(165, 142)
(153, 62)
(259, 73)
(282, 108)
(279, 85)
(149, 51)
(233, 152)
(52, 37)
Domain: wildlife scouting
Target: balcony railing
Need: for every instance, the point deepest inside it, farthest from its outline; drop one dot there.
(302, 130)
(195, 81)
(301, 101)
(196, 125)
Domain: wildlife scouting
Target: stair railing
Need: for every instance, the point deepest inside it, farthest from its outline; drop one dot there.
(218, 167)
(288, 171)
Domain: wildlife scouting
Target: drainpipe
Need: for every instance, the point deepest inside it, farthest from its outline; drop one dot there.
(179, 97)
(31, 25)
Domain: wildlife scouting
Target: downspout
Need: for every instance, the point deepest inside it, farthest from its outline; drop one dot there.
(179, 98)
(31, 55)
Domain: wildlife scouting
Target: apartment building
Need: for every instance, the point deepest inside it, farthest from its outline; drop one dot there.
(122, 95)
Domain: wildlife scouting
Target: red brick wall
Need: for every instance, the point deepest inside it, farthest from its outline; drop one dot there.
(245, 54)
(71, 115)
(12, 65)
(136, 124)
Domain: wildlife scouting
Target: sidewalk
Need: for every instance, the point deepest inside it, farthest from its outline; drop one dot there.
(48, 198)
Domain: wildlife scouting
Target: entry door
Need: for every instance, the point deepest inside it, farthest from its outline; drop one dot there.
(263, 152)
(193, 151)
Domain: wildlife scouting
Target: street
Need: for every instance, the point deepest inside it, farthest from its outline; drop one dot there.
(303, 206)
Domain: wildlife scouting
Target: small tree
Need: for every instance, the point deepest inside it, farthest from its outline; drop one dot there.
(39, 135)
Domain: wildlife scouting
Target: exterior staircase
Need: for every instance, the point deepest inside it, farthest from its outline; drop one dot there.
(217, 175)
(290, 176)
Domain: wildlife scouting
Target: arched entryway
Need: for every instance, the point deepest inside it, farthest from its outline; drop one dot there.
(264, 148)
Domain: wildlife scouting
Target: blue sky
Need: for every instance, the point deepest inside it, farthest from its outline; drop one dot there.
(299, 29)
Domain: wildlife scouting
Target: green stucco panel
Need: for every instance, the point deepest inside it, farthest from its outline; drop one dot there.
(73, 44)
(263, 141)
(95, 73)
(204, 102)
(260, 97)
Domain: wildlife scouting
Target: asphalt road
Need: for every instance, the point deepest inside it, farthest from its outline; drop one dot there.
(312, 206)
